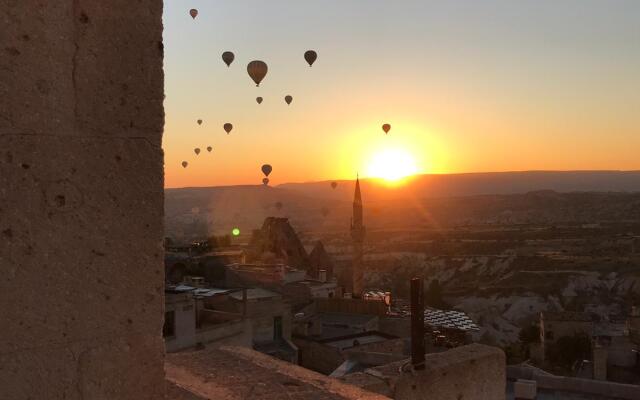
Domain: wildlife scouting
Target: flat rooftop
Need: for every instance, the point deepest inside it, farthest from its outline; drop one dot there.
(254, 294)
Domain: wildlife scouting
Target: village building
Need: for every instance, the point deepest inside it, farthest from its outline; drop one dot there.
(192, 320)
(270, 318)
(554, 325)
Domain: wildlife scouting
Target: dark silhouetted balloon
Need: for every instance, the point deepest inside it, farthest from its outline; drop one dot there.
(196, 150)
(194, 13)
(199, 122)
(257, 71)
(288, 99)
(209, 148)
(334, 185)
(265, 181)
(228, 58)
(228, 127)
(259, 100)
(266, 169)
(184, 164)
(310, 56)
(386, 128)
(278, 206)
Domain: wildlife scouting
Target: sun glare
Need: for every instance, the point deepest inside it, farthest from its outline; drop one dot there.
(392, 165)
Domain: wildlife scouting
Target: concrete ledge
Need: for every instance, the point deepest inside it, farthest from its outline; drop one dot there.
(548, 381)
(474, 372)
(241, 373)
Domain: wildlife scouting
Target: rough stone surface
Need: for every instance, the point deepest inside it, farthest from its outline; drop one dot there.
(241, 373)
(82, 67)
(473, 372)
(278, 239)
(81, 199)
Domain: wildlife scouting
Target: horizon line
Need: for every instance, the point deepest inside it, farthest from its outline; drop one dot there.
(411, 177)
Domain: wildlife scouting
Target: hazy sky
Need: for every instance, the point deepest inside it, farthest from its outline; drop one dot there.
(466, 85)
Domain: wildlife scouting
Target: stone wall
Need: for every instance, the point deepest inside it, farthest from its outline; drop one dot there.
(81, 199)
(317, 356)
(578, 387)
(473, 372)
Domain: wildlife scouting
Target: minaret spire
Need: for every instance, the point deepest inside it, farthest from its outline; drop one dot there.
(357, 235)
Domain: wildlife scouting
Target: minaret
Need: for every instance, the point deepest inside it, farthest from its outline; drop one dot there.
(357, 235)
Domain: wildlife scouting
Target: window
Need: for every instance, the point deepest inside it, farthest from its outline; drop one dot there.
(277, 328)
(169, 328)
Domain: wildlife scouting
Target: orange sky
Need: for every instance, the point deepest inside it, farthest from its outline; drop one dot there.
(465, 88)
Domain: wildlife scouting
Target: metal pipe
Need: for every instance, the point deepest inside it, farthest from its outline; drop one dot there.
(417, 324)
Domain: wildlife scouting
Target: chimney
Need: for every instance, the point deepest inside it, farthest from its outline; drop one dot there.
(417, 324)
(322, 275)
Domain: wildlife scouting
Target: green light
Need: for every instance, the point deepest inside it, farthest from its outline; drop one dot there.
(235, 231)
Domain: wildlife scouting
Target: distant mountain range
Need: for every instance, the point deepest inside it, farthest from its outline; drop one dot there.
(446, 199)
(473, 184)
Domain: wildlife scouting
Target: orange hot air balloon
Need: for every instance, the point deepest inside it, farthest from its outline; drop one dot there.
(334, 185)
(386, 128)
(228, 57)
(209, 148)
(266, 169)
(228, 127)
(310, 56)
(184, 164)
(265, 181)
(259, 100)
(288, 99)
(257, 71)
(196, 150)
(194, 13)
(199, 122)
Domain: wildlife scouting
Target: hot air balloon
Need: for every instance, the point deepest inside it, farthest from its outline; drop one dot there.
(310, 56)
(278, 206)
(194, 13)
(288, 99)
(265, 181)
(334, 185)
(196, 150)
(386, 128)
(228, 127)
(266, 169)
(199, 122)
(228, 58)
(259, 100)
(209, 148)
(257, 71)
(184, 164)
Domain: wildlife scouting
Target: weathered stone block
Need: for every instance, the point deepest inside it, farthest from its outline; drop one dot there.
(36, 57)
(119, 368)
(82, 67)
(81, 248)
(81, 199)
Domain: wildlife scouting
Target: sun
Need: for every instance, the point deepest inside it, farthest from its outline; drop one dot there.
(392, 165)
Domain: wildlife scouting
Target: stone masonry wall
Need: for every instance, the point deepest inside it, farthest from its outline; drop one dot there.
(81, 199)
